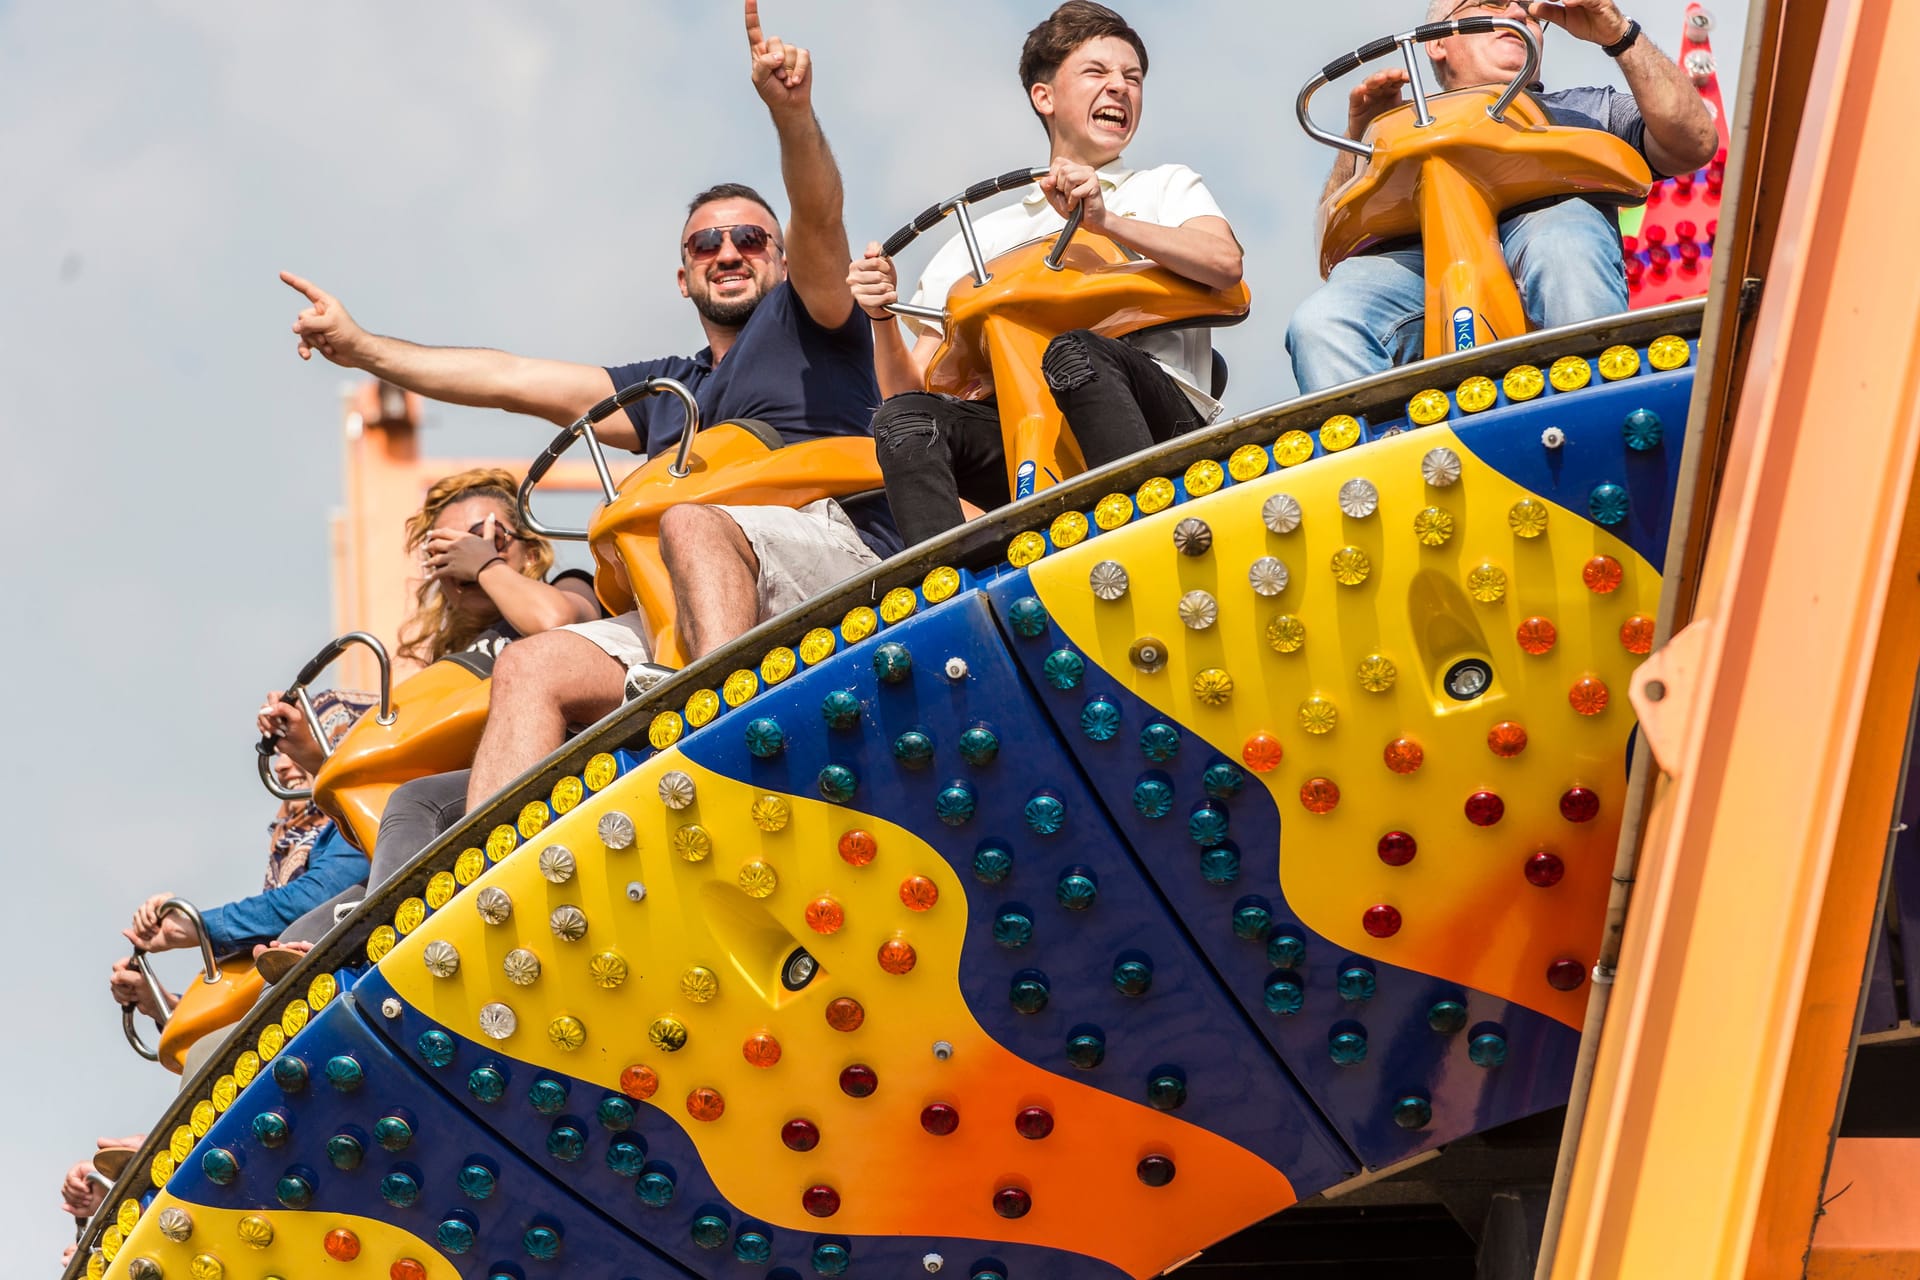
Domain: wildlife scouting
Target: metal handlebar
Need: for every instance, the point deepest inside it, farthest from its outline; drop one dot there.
(583, 427)
(270, 743)
(959, 205)
(1405, 42)
(175, 906)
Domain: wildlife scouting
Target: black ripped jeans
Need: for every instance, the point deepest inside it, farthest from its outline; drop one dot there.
(935, 450)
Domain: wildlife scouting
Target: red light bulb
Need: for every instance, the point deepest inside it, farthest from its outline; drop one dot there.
(1397, 848)
(820, 1201)
(1033, 1123)
(1566, 975)
(1579, 804)
(1485, 808)
(800, 1135)
(1381, 921)
(1544, 870)
(939, 1119)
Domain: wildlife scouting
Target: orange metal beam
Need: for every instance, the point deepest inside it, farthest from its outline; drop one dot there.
(1778, 718)
(1868, 1228)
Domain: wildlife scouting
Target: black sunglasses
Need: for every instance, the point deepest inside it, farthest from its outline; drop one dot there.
(747, 238)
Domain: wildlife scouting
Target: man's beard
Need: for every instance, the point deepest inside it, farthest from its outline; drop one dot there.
(728, 315)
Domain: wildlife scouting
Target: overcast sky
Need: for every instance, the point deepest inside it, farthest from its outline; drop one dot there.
(483, 174)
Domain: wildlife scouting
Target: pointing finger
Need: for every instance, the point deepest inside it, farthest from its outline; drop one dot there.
(313, 291)
(753, 24)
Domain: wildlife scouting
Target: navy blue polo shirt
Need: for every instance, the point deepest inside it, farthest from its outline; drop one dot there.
(806, 381)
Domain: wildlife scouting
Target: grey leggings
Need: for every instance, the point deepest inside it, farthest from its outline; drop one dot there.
(415, 817)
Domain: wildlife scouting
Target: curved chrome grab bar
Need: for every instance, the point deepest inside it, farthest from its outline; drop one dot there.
(161, 998)
(1404, 43)
(583, 427)
(959, 206)
(297, 690)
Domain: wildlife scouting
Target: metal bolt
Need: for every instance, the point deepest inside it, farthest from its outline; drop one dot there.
(1656, 690)
(933, 1262)
(942, 1050)
(390, 1007)
(956, 668)
(636, 891)
(1553, 437)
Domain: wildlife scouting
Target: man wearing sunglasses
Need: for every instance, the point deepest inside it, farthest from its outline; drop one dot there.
(1565, 255)
(784, 345)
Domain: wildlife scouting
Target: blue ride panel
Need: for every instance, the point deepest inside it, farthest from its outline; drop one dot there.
(1058, 904)
(1403, 1053)
(418, 1179)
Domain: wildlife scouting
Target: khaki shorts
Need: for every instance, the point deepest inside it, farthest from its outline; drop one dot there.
(802, 552)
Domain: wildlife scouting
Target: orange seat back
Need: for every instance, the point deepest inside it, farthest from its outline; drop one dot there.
(439, 714)
(729, 465)
(1450, 182)
(206, 1007)
(996, 333)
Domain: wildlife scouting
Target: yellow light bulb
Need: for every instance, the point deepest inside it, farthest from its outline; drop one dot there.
(1068, 529)
(1570, 373)
(1113, 511)
(1523, 382)
(1155, 495)
(1428, 407)
(1203, 477)
(1476, 394)
(1292, 448)
(1341, 431)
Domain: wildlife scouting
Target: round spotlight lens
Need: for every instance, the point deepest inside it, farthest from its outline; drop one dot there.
(1468, 679)
(799, 969)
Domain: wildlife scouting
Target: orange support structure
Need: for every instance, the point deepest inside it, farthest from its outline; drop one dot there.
(1779, 718)
(373, 577)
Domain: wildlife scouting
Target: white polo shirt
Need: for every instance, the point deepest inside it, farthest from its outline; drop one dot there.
(1170, 196)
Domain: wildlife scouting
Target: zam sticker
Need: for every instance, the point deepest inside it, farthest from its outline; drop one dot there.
(1463, 329)
(1023, 481)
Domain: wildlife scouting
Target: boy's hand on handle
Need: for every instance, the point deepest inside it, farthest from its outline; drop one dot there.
(875, 282)
(781, 72)
(1069, 185)
(325, 325)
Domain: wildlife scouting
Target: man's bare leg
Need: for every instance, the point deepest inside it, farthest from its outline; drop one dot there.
(540, 686)
(715, 576)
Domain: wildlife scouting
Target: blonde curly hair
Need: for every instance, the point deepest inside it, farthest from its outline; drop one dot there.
(435, 630)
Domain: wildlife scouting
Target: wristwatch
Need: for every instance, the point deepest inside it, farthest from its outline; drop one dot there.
(1625, 42)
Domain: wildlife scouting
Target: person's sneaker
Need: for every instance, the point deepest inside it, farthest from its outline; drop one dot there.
(642, 676)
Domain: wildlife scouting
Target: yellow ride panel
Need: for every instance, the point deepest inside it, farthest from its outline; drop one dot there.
(1375, 610)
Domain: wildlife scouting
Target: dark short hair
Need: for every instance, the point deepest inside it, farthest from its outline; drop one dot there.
(732, 191)
(1066, 29)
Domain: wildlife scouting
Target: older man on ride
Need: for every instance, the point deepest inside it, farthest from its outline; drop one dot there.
(1566, 255)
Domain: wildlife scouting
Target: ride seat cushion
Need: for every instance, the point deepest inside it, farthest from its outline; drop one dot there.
(804, 380)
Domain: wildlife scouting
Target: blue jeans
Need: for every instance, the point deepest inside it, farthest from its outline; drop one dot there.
(1370, 314)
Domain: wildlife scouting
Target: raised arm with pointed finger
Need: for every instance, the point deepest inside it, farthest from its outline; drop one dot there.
(817, 249)
(556, 390)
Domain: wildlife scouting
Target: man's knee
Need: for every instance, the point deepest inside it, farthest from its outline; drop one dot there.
(1074, 360)
(691, 526)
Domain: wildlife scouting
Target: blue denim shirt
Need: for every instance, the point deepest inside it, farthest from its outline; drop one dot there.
(332, 866)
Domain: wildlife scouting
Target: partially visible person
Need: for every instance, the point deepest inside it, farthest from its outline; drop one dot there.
(308, 862)
(80, 1194)
(784, 345)
(1084, 70)
(1565, 254)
